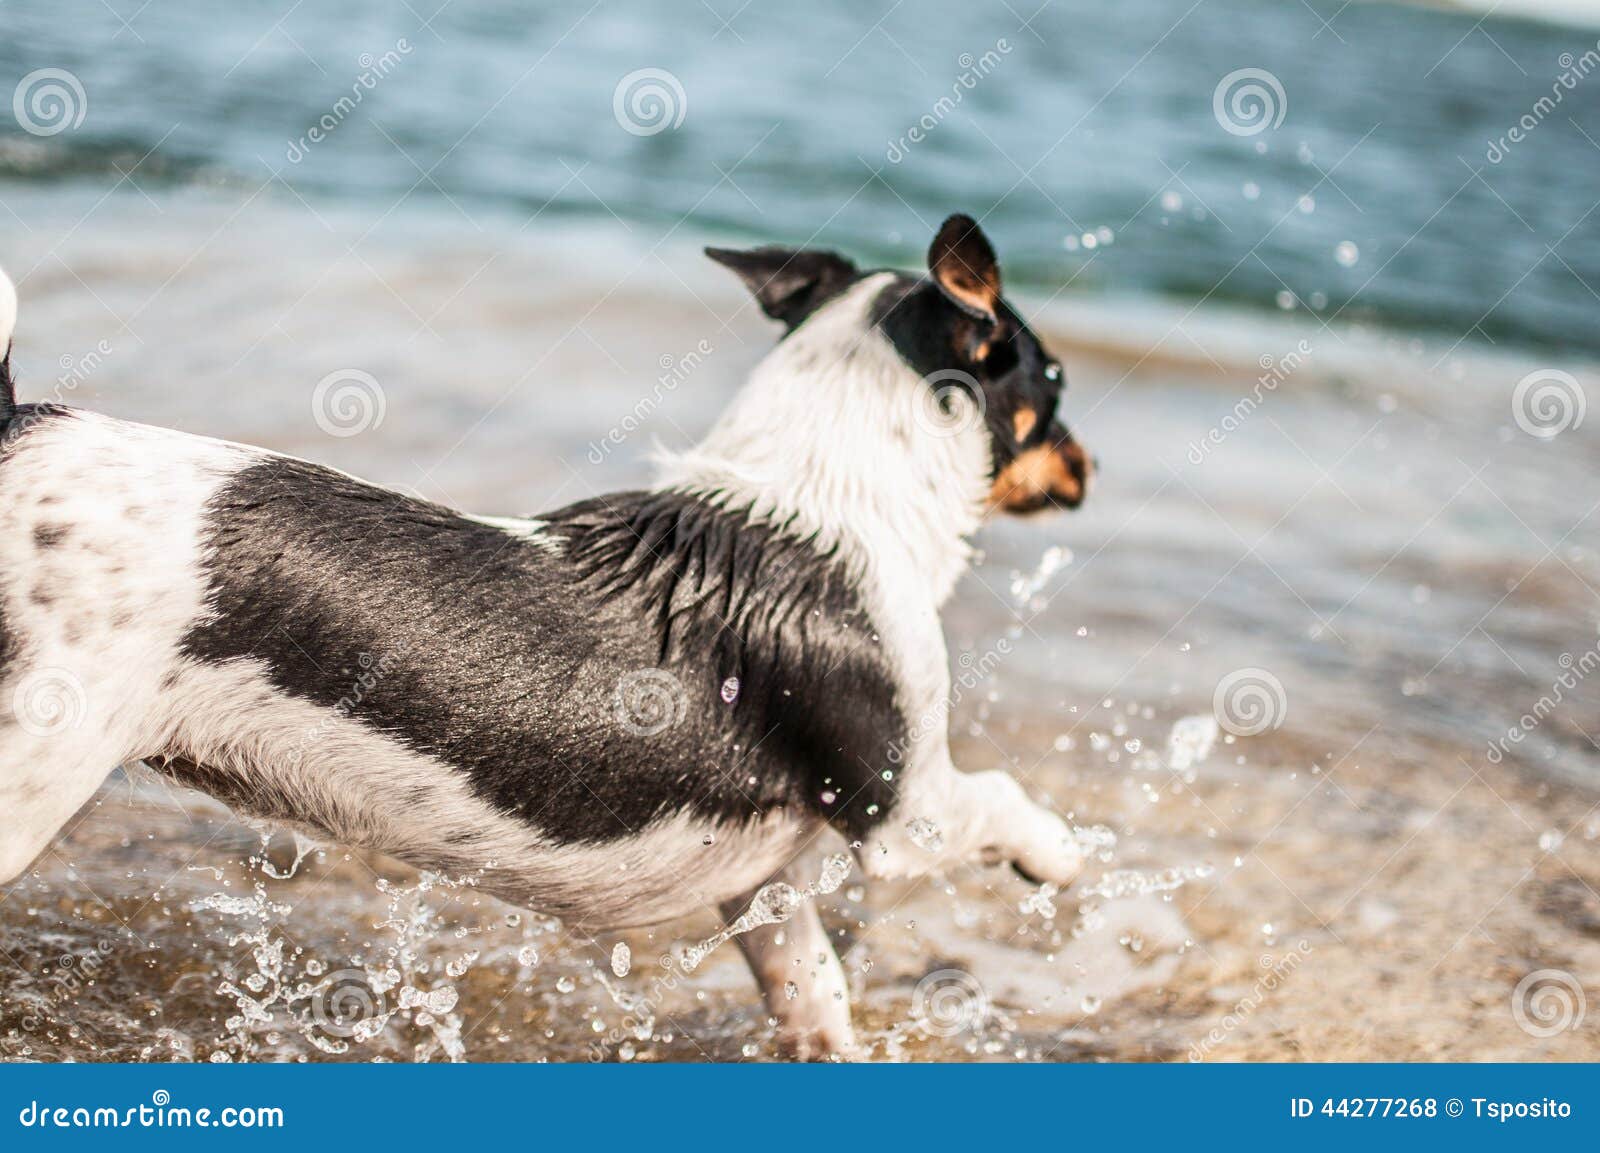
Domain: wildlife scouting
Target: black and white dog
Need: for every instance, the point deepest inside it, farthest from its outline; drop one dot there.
(615, 713)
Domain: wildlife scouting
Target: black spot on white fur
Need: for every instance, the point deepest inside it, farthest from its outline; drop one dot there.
(503, 656)
(47, 535)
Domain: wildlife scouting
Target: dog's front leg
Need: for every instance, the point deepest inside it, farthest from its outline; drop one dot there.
(943, 816)
(801, 979)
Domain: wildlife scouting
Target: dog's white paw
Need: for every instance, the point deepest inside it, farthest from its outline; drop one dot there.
(1051, 852)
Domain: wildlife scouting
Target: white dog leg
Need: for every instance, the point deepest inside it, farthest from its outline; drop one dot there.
(802, 981)
(947, 817)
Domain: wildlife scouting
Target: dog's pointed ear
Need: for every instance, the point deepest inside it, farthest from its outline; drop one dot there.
(789, 284)
(964, 267)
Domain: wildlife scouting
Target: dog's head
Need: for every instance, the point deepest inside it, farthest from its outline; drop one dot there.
(957, 332)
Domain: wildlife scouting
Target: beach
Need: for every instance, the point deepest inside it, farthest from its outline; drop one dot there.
(1311, 668)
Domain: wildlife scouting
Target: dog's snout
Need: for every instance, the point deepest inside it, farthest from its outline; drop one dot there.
(1053, 475)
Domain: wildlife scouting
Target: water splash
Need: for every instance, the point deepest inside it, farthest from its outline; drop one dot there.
(1121, 883)
(1025, 587)
(773, 904)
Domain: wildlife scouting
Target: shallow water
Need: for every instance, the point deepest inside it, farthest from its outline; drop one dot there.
(1400, 564)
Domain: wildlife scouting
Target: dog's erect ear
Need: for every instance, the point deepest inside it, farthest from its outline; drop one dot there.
(964, 267)
(789, 284)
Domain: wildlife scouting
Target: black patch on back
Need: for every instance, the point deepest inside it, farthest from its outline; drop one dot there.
(504, 659)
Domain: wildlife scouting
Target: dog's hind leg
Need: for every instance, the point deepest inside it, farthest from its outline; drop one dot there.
(45, 777)
(802, 981)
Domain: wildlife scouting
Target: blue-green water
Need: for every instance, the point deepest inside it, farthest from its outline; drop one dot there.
(1382, 531)
(1083, 118)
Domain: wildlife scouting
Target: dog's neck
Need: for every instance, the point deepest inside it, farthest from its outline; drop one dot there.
(831, 438)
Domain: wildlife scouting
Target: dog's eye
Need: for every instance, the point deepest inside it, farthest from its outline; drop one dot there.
(1052, 372)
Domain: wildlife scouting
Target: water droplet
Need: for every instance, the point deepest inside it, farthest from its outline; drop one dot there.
(528, 955)
(621, 959)
(835, 869)
(1090, 1004)
(925, 834)
(730, 690)
(790, 990)
(566, 985)
(1347, 253)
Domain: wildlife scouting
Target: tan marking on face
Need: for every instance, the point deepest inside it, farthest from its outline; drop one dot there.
(1022, 422)
(1037, 478)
